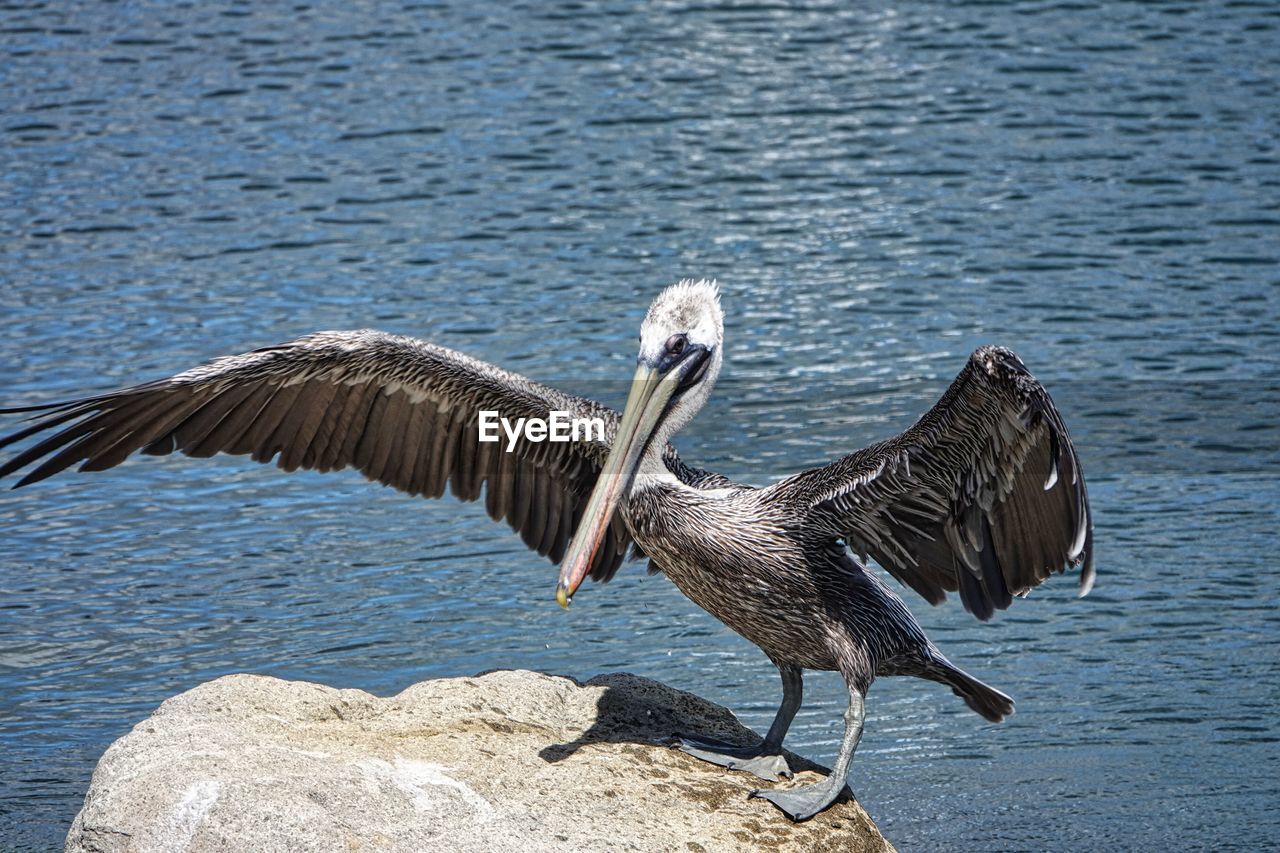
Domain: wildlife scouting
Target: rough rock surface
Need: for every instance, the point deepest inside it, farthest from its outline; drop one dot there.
(506, 761)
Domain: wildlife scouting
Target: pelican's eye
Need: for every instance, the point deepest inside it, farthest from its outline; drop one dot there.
(676, 344)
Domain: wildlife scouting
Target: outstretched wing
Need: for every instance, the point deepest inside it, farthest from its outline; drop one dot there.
(983, 494)
(402, 411)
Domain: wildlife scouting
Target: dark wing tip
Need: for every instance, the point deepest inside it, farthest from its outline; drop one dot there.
(974, 598)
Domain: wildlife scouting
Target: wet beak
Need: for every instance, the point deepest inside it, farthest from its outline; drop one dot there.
(650, 391)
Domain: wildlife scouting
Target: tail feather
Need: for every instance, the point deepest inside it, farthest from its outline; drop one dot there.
(983, 698)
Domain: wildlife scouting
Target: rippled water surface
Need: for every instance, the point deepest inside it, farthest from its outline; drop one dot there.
(879, 191)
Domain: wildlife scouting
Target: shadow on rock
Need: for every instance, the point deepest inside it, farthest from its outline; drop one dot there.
(632, 709)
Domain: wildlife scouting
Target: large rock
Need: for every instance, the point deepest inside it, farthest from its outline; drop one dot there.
(507, 761)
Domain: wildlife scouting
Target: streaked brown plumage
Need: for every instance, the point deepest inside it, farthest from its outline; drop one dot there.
(983, 495)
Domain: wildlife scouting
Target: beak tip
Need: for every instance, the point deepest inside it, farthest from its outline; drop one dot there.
(562, 597)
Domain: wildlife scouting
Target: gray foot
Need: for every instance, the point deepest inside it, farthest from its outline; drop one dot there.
(804, 802)
(750, 759)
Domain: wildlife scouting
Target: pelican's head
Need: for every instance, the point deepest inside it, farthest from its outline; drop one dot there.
(679, 360)
(681, 337)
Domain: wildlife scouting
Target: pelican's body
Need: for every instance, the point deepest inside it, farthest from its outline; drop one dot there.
(982, 495)
(803, 601)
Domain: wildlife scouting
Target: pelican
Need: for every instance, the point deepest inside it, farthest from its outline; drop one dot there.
(983, 495)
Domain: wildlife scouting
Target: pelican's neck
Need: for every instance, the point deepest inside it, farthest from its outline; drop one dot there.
(652, 470)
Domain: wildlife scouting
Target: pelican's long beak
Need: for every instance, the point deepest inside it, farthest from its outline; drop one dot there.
(650, 391)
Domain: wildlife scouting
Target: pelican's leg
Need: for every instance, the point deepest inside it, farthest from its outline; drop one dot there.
(765, 759)
(805, 802)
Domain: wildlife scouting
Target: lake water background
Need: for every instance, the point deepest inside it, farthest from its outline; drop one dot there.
(878, 190)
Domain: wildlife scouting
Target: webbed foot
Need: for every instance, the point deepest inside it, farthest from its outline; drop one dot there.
(804, 802)
(750, 759)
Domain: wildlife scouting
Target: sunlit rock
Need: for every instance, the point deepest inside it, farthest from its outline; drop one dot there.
(507, 761)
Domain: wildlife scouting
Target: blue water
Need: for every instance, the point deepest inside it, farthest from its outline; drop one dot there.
(878, 191)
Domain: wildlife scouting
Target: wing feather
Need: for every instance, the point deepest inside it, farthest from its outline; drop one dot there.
(169, 410)
(208, 430)
(237, 434)
(983, 495)
(402, 411)
(317, 397)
